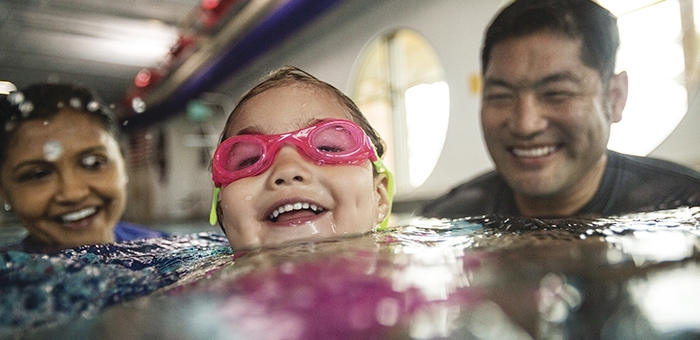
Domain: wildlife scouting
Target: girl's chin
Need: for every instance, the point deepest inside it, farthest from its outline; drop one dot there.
(275, 236)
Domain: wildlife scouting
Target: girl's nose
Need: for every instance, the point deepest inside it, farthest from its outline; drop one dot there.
(289, 168)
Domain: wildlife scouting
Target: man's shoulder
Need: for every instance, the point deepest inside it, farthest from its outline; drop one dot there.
(634, 183)
(659, 169)
(474, 197)
(488, 179)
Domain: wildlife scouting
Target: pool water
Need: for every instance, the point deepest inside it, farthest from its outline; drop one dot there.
(630, 277)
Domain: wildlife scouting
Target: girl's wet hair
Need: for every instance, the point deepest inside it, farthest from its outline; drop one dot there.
(43, 101)
(290, 75)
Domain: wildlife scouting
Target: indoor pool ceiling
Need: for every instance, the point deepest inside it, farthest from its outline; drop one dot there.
(183, 47)
(102, 44)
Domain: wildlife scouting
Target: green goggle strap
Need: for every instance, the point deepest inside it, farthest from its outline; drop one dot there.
(214, 202)
(390, 190)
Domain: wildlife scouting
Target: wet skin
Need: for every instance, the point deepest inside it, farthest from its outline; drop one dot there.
(335, 200)
(546, 119)
(65, 179)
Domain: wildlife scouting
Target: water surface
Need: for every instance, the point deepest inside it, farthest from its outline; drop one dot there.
(630, 277)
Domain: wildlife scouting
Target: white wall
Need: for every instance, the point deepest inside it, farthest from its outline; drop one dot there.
(185, 192)
(683, 145)
(330, 49)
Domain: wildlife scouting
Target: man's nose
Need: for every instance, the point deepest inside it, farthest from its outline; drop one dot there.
(528, 118)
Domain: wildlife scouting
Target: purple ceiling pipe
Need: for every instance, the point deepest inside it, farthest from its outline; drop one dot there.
(271, 31)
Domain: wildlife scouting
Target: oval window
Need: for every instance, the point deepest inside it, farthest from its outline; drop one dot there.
(653, 56)
(400, 86)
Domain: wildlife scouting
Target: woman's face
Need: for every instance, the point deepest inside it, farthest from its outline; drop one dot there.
(65, 179)
(325, 200)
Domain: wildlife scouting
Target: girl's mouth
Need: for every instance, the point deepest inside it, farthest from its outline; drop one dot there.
(294, 210)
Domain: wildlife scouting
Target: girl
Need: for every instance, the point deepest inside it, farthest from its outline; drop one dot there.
(298, 161)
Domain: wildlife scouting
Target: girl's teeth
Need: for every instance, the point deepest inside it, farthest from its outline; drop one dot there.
(292, 207)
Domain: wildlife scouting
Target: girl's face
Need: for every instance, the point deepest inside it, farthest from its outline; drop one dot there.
(65, 179)
(325, 200)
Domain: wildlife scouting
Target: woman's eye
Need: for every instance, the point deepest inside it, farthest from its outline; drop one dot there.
(34, 175)
(93, 162)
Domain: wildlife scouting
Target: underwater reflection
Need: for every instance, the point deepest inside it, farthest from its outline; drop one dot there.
(628, 277)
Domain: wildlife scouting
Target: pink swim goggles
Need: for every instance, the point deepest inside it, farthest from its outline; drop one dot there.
(328, 142)
(331, 142)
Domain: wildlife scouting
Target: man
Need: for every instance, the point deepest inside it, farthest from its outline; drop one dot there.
(550, 96)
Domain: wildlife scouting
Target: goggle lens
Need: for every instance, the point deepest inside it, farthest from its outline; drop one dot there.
(327, 142)
(334, 139)
(243, 155)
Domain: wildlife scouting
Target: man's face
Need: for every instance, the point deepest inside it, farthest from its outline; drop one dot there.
(546, 116)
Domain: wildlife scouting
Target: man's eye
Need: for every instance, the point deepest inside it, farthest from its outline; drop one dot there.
(498, 96)
(557, 95)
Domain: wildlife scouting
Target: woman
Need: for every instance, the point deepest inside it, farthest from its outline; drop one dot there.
(61, 169)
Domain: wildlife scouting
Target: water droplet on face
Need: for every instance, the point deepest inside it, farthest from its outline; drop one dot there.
(138, 105)
(52, 150)
(15, 98)
(89, 160)
(75, 103)
(93, 106)
(26, 108)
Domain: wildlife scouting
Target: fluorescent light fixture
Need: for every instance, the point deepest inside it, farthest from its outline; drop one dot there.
(6, 87)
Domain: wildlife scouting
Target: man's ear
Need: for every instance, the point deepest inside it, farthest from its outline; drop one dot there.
(381, 185)
(618, 95)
